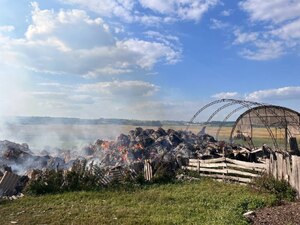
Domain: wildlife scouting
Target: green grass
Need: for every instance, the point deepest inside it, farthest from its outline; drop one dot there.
(201, 202)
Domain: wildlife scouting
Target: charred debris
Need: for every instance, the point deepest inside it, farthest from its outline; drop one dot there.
(142, 151)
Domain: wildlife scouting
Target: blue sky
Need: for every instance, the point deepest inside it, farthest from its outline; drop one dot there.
(145, 59)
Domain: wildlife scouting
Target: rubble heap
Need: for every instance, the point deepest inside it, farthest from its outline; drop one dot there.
(127, 151)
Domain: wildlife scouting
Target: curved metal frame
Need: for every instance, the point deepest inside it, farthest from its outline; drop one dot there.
(250, 106)
(268, 127)
(226, 118)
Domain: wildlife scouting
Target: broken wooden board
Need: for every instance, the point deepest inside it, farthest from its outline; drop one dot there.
(8, 183)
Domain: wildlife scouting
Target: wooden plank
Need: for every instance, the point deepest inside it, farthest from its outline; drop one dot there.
(222, 159)
(274, 167)
(147, 171)
(217, 176)
(298, 178)
(279, 166)
(202, 162)
(268, 166)
(228, 171)
(284, 168)
(247, 164)
(8, 183)
(230, 165)
(294, 175)
(288, 169)
(212, 165)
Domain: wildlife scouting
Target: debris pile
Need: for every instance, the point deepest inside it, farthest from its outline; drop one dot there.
(165, 150)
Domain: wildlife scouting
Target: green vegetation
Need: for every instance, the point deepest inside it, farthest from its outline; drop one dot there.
(202, 202)
(280, 188)
(88, 178)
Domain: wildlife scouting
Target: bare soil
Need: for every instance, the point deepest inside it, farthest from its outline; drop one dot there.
(285, 214)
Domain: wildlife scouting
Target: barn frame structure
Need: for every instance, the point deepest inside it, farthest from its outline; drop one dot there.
(255, 114)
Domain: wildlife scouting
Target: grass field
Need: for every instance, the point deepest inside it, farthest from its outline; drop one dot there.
(202, 202)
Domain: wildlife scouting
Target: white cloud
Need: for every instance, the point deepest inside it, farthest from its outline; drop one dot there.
(156, 11)
(71, 42)
(264, 51)
(167, 39)
(106, 71)
(148, 53)
(244, 37)
(119, 89)
(217, 24)
(225, 95)
(7, 28)
(284, 93)
(273, 10)
(226, 12)
(279, 32)
(109, 8)
(288, 31)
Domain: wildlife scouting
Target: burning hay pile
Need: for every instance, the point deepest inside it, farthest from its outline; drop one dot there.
(161, 152)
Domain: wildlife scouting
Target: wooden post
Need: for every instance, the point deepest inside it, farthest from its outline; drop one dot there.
(268, 166)
(284, 168)
(274, 167)
(279, 166)
(298, 177)
(294, 175)
(288, 168)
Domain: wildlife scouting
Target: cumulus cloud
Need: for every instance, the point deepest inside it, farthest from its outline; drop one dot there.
(244, 37)
(225, 95)
(284, 93)
(71, 42)
(185, 10)
(156, 11)
(288, 31)
(109, 8)
(276, 11)
(264, 50)
(280, 30)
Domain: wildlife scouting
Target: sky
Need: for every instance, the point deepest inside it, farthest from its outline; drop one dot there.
(146, 59)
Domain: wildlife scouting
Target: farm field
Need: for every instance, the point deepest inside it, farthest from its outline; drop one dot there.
(200, 202)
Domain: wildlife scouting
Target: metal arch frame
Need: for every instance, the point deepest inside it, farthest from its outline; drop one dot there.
(233, 101)
(245, 104)
(218, 110)
(226, 118)
(286, 110)
(263, 121)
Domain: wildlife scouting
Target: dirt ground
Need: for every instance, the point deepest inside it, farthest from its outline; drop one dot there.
(285, 214)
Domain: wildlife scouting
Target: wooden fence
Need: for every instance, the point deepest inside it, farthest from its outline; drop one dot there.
(227, 169)
(285, 167)
(280, 166)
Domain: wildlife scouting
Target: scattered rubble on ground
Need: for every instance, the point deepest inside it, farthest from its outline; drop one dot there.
(127, 153)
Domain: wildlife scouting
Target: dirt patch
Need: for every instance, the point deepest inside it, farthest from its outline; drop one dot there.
(286, 214)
